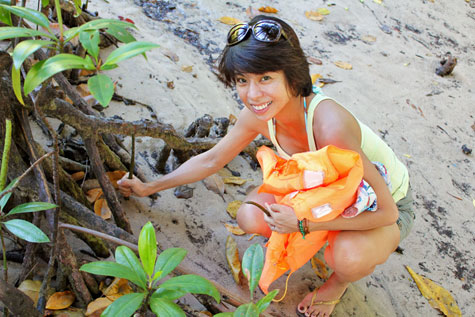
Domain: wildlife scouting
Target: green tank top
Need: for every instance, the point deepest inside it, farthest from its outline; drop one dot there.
(371, 144)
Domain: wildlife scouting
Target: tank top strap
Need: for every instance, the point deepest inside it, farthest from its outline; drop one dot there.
(319, 96)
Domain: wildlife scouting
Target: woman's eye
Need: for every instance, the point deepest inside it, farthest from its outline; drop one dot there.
(265, 78)
(240, 80)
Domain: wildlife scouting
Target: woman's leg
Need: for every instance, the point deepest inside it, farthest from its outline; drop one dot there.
(250, 218)
(351, 255)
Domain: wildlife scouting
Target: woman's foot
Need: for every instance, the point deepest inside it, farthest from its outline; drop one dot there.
(322, 301)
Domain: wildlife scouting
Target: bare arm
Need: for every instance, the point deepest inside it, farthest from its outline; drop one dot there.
(202, 165)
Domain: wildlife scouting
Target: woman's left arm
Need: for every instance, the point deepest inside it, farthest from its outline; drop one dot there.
(335, 125)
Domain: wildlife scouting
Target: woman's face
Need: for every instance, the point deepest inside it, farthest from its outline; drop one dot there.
(264, 94)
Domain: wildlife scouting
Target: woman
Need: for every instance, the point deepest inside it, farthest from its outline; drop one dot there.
(265, 63)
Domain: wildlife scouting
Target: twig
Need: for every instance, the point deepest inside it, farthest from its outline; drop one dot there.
(456, 197)
(25, 173)
(259, 206)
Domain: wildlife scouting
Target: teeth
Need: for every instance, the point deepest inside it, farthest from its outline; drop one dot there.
(262, 107)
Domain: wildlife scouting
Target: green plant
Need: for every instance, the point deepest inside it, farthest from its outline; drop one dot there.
(20, 228)
(100, 86)
(252, 264)
(146, 273)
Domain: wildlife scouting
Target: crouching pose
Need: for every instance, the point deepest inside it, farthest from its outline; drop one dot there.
(263, 60)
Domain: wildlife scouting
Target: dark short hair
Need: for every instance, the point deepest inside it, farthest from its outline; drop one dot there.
(253, 56)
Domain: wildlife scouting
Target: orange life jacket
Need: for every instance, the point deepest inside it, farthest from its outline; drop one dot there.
(319, 186)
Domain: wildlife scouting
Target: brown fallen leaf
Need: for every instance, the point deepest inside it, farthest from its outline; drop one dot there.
(78, 176)
(187, 69)
(102, 209)
(235, 180)
(232, 119)
(314, 60)
(115, 176)
(31, 289)
(438, 297)
(319, 268)
(118, 288)
(60, 300)
(215, 184)
(97, 306)
(93, 194)
(233, 208)
(170, 84)
(368, 39)
(314, 15)
(234, 229)
(232, 256)
(447, 65)
(85, 72)
(229, 20)
(268, 9)
(343, 65)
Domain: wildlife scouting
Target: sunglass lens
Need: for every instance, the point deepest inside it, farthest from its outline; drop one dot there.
(267, 31)
(237, 33)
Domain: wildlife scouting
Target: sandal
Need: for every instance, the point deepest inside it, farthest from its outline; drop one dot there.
(313, 302)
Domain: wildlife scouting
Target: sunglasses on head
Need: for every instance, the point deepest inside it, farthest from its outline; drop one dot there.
(264, 31)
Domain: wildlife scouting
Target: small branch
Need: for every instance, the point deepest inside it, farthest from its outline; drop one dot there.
(25, 173)
(6, 154)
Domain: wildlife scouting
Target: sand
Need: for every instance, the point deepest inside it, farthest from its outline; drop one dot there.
(394, 48)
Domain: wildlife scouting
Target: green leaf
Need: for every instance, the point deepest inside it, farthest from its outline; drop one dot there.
(90, 41)
(9, 32)
(265, 301)
(44, 3)
(31, 207)
(247, 310)
(148, 247)
(29, 14)
(227, 314)
(125, 305)
(168, 260)
(95, 25)
(5, 15)
(77, 6)
(108, 268)
(120, 32)
(16, 83)
(170, 294)
(102, 88)
(127, 257)
(43, 70)
(26, 231)
(165, 308)
(252, 264)
(25, 49)
(192, 284)
(5, 198)
(127, 51)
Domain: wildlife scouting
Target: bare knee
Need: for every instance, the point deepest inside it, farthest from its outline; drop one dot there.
(251, 220)
(350, 261)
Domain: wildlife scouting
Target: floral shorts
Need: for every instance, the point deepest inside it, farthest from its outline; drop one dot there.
(406, 214)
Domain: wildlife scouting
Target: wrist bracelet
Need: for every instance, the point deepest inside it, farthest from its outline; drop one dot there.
(301, 227)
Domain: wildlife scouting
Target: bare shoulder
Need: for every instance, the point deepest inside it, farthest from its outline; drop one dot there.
(333, 124)
(249, 122)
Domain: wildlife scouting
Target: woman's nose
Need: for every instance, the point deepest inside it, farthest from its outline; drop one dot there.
(254, 91)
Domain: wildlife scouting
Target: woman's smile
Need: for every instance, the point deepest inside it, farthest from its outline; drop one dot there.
(260, 108)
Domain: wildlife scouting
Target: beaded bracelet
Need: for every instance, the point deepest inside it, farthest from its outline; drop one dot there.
(303, 227)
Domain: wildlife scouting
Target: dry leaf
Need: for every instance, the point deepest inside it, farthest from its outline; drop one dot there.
(60, 300)
(215, 184)
(187, 69)
(234, 229)
(368, 38)
(343, 65)
(224, 172)
(319, 268)
(438, 297)
(83, 90)
(233, 207)
(171, 55)
(170, 84)
(93, 194)
(115, 176)
(78, 176)
(232, 256)
(85, 72)
(268, 9)
(31, 289)
(315, 77)
(314, 15)
(117, 288)
(232, 119)
(102, 209)
(98, 306)
(234, 180)
(229, 20)
(314, 60)
(323, 11)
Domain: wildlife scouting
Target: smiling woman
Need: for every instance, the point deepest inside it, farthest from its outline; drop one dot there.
(263, 60)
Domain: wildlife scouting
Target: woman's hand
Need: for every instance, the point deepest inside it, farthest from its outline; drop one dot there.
(132, 186)
(283, 219)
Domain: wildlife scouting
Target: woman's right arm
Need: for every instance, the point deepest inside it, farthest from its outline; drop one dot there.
(202, 165)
